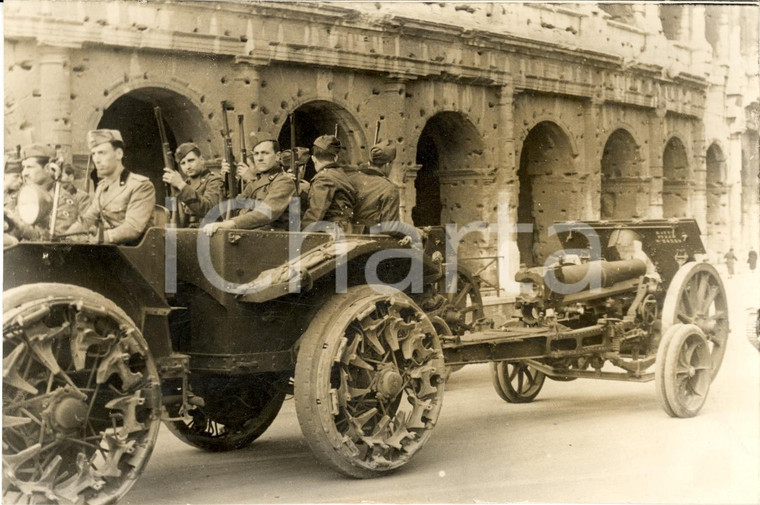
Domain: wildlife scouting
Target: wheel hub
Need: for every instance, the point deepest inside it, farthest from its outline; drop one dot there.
(70, 413)
(389, 382)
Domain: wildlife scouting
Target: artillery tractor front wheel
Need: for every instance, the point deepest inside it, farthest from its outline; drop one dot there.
(516, 382)
(696, 296)
(683, 374)
(81, 397)
(369, 381)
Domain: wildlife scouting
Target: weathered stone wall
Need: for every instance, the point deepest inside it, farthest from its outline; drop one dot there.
(531, 113)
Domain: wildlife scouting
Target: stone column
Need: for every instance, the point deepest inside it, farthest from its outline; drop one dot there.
(55, 103)
(408, 194)
(734, 183)
(699, 179)
(404, 169)
(507, 192)
(657, 135)
(249, 79)
(590, 167)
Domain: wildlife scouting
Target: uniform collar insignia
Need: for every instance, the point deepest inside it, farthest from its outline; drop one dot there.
(123, 177)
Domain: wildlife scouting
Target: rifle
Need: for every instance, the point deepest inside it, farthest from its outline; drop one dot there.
(56, 194)
(377, 133)
(243, 150)
(168, 163)
(293, 154)
(231, 182)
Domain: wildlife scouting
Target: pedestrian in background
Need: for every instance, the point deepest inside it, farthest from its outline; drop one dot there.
(752, 259)
(730, 258)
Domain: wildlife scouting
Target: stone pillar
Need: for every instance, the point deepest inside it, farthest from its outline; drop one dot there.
(404, 169)
(407, 193)
(55, 103)
(249, 78)
(724, 35)
(590, 166)
(699, 178)
(507, 192)
(657, 135)
(734, 183)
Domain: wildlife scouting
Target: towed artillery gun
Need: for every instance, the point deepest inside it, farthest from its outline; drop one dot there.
(102, 343)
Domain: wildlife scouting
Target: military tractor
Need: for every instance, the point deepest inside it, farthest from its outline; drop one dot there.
(102, 343)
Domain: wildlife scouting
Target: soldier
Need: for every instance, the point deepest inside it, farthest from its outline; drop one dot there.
(11, 186)
(67, 176)
(11, 183)
(377, 198)
(332, 197)
(37, 170)
(124, 201)
(302, 157)
(266, 197)
(201, 191)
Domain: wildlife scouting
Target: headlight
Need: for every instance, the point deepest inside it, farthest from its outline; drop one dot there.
(34, 204)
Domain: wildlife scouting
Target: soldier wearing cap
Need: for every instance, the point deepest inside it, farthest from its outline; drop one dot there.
(200, 191)
(124, 201)
(377, 198)
(332, 196)
(38, 170)
(302, 158)
(267, 196)
(11, 183)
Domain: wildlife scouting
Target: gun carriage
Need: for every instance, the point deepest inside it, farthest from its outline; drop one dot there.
(102, 343)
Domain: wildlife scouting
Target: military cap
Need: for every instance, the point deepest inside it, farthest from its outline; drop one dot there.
(258, 138)
(185, 149)
(97, 137)
(382, 153)
(302, 156)
(13, 166)
(329, 143)
(33, 150)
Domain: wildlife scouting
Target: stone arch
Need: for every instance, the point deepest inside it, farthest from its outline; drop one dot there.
(450, 149)
(676, 189)
(550, 189)
(316, 117)
(671, 17)
(717, 199)
(131, 112)
(624, 189)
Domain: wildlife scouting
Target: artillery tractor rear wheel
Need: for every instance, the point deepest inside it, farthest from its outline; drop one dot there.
(696, 296)
(81, 397)
(516, 382)
(683, 378)
(369, 381)
(237, 411)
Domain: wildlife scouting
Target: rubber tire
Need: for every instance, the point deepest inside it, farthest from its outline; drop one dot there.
(665, 372)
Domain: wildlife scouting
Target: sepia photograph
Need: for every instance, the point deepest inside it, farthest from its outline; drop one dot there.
(381, 251)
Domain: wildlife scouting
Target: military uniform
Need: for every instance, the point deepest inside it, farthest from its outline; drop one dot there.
(124, 207)
(332, 198)
(269, 192)
(199, 196)
(377, 198)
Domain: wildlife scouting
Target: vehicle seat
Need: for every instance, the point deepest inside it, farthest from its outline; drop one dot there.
(160, 216)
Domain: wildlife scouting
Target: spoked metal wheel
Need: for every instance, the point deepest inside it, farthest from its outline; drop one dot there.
(369, 381)
(516, 382)
(696, 296)
(236, 411)
(81, 397)
(683, 371)
(464, 306)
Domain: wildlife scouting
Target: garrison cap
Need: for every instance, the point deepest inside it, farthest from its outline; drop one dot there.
(97, 137)
(329, 143)
(185, 149)
(302, 156)
(258, 138)
(37, 150)
(13, 166)
(382, 153)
